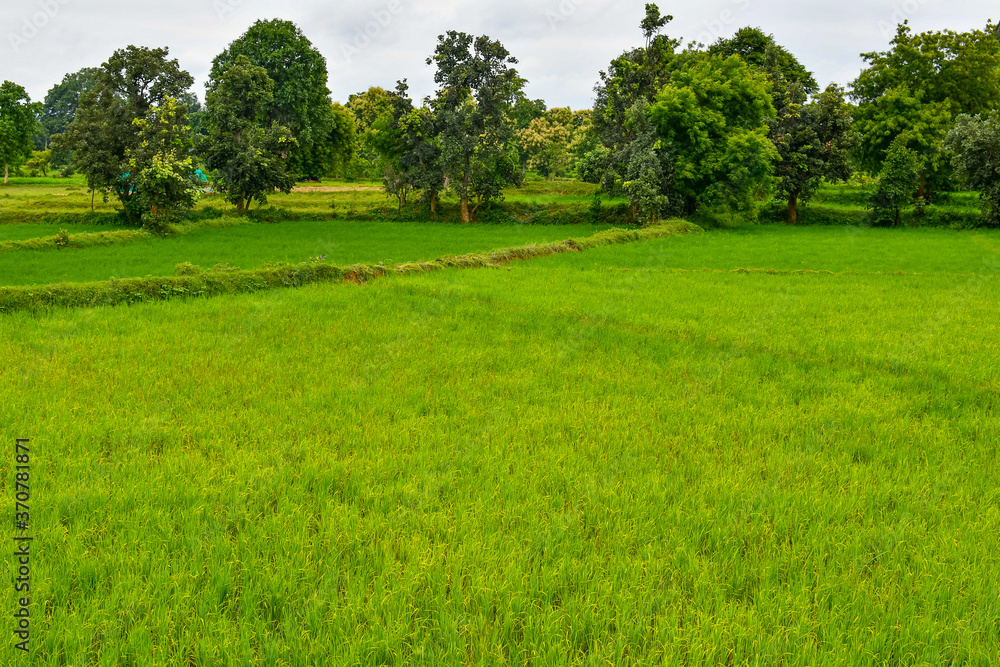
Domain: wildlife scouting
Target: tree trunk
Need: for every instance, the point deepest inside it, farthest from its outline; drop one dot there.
(466, 176)
(793, 208)
(434, 205)
(93, 193)
(6, 172)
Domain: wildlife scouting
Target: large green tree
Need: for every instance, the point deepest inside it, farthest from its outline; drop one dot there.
(814, 141)
(18, 124)
(104, 129)
(711, 122)
(247, 151)
(59, 106)
(477, 87)
(546, 142)
(301, 99)
(914, 90)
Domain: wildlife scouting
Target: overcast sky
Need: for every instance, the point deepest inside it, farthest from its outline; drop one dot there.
(561, 45)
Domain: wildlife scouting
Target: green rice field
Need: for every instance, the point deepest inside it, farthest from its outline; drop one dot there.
(755, 446)
(252, 245)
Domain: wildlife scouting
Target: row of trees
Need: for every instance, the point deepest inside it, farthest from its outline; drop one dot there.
(672, 129)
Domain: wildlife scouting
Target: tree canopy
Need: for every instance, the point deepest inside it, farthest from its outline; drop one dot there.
(247, 152)
(914, 90)
(759, 50)
(59, 106)
(18, 124)
(104, 129)
(301, 99)
(477, 87)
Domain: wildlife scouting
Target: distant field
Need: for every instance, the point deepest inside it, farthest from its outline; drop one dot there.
(604, 458)
(32, 199)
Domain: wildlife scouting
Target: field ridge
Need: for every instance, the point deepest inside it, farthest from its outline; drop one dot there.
(225, 280)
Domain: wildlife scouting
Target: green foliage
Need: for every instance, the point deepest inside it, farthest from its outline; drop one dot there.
(300, 100)
(895, 184)
(914, 90)
(591, 164)
(40, 161)
(477, 87)
(367, 109)
(247, 156)
(653, 22)
(18, 124)
(711, 117)
(59, 108)
(104, 132)
(635, 77)
(546, 144)
(975, 145)
(165, 181)
(814, 142)
(760, 51)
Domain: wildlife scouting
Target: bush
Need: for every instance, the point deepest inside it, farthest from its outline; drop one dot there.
(187, 269)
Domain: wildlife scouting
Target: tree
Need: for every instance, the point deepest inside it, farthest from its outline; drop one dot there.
(646, 178)
(711, 116)
(18, 124)
(653, 23)
(915, 89)
(247, 153)
(162, 164)
(636, 75)
(40, 161)
(59, 107)
(301, 99)
(761, 52)
(975, 144)
(894, 191)
(342, 140)
(522, 113)
(477, 88)
(132, 81)
(368, 108)
(814, 142)
(546, 143)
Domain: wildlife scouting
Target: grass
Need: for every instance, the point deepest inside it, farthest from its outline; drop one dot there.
(34, 200)
(847, 204)
(253, 245)
(28, 231)
(838, 249)
(598, 458)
